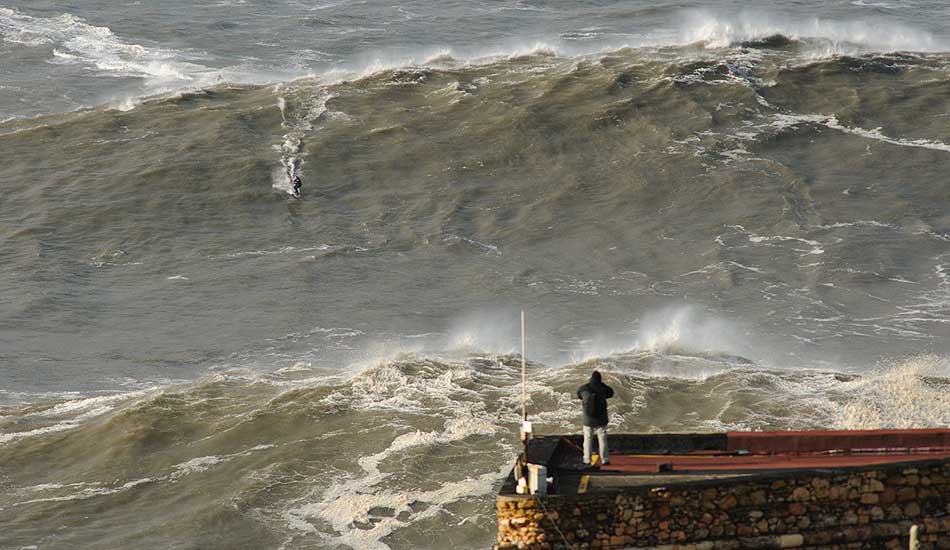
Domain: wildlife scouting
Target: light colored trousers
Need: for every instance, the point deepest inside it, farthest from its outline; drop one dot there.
(601, 442)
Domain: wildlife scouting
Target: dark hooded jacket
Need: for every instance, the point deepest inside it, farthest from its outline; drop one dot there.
(595, 394)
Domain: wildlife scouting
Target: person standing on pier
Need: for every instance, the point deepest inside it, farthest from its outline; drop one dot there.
(594, 396)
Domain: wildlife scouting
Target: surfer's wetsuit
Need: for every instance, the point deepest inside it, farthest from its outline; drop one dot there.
(297, 185)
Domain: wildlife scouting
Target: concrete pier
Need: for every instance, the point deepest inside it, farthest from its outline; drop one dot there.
(708, 496)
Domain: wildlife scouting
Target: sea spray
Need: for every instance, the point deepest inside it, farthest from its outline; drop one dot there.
(404, 448)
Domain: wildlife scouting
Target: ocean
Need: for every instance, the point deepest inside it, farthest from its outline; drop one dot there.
(739, 214)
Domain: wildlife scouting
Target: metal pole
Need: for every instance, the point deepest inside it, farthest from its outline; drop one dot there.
(524, 376)
(524, 399)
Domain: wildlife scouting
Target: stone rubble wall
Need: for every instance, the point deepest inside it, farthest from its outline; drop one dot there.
(829, 510)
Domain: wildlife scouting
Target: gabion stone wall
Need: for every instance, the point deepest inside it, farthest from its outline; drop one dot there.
(858, 509)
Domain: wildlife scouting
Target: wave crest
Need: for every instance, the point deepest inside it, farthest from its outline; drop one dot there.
(756, 29)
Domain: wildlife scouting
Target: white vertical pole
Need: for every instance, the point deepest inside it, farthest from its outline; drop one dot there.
(524, 376)
(524, 399)
(914, 543)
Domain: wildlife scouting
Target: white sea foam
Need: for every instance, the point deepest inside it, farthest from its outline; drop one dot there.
(75, 40)
(537, 49)
(197, 465)
(864, 4)
(83, 407)
(94, 491)
(678, 329)
(758, 239)
(487, 330)
(722, 30)
(178, 471)
(388, 387)
(272, 252)
(746, 267)
(14, 436)
(441, 56)
(347, 503)
(307, 109)
(815, 246)
(164, 71)
(78, 412)
(857, 223)
(299, 366)
(41, 487)
(720, 267)
(830, 121)
(455, 429)
(684, 328)
(897, 396)
(489, 247)
(942, 272)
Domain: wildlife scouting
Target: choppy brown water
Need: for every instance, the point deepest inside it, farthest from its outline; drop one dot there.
(745, 237)
(404, 454)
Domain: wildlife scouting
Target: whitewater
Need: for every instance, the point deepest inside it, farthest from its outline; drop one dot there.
(739, 215)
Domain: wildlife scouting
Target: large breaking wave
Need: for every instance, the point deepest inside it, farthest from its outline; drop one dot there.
(71, 40)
